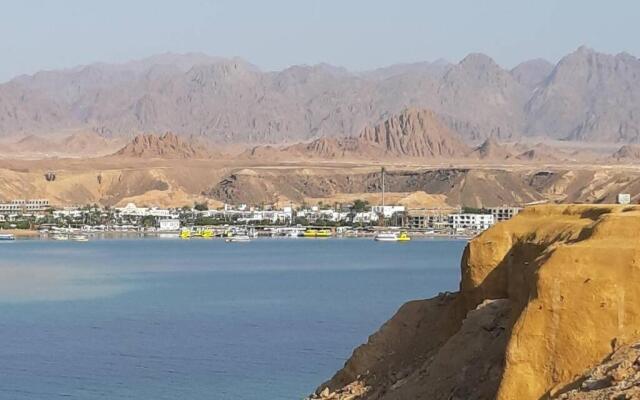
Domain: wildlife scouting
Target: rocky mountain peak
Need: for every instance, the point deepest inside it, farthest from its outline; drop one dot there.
(414, 133)
(532, 73)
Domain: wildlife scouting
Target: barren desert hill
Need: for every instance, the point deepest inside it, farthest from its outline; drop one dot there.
(627, 154)
(543, 298)
(166, 146)
(111, 180)
(491, 149)
(541, 153)
(586, 96)
(76, 144)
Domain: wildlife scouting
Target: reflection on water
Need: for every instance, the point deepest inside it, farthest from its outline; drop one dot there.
(170, 319)
(53, 283)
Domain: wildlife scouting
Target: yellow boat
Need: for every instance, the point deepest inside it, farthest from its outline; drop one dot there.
(185, 234)
(317, 233)
(207, 233)
(403, 237)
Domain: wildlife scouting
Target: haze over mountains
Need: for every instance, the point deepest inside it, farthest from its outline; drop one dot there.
(587, 96)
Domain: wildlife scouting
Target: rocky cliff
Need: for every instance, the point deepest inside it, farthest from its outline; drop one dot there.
(543, 298)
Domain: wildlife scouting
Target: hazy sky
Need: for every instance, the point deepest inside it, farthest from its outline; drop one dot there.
(273, 34)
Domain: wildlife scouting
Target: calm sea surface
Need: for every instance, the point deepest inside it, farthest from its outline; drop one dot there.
(170, 319)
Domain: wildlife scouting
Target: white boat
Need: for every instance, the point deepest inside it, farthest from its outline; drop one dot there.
(60, 236)
(80, 238)
(7, 236)
(238, 238)
(392, 237)
(386, 237)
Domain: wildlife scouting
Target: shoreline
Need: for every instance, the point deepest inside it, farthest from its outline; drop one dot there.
(20, 233)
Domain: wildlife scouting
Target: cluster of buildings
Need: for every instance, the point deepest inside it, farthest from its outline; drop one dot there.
(438, 219)
(132, 216)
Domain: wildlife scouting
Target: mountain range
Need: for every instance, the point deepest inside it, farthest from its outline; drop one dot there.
(586, 96)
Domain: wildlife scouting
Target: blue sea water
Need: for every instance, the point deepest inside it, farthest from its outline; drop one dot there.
(200, 319)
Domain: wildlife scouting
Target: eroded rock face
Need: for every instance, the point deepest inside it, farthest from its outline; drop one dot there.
(617, 377)
(543, 297)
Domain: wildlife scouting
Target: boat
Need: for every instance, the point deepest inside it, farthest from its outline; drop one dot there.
(238, 238)
(317, 233)
(404, 237)
(7, 236)
(60, 236)
(207, 234)
(392, 237)
(80, 238)
(185, 234)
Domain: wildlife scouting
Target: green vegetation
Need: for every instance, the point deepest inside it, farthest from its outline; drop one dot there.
(360, 206)
(204, 221)
(148, 221)
(201, 207)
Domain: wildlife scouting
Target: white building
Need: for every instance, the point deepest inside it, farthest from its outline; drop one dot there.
(131, 210)
(504, 213)
(387, 211)
(471, 221)
(68, 212)
(365, 217)
(272, 216)
(169, 225)
(624, 198)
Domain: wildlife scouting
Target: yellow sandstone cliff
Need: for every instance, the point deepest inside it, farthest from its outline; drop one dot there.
(543, 298)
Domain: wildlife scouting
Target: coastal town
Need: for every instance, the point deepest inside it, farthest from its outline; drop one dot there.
(357, 218)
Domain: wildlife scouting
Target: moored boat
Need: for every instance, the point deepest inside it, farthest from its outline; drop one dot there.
(238, 238)
(79, 238)
(7, 236)
(392, 237)
(317, 233)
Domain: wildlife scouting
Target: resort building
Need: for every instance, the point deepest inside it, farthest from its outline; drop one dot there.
(387, 211)
(169, 225)
(477, 222)
(365, 217)
(426, 219)
(131, 210)
(68, 212)
(504, 213)
(34, 206)
(267, 216)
